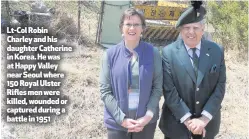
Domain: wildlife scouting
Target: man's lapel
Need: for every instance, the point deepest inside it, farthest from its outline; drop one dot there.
(184, 58)
(204, 58)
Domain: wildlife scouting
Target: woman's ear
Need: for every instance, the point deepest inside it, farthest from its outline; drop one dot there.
(143, 29)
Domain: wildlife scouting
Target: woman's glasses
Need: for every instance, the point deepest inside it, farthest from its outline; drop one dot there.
(134, 25)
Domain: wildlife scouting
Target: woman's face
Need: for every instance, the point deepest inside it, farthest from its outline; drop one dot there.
(132, 28)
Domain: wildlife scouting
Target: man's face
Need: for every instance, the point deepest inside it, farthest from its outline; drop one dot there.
(192, 33)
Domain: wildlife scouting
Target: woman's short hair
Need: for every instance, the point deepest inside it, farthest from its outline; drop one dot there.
(131, 12)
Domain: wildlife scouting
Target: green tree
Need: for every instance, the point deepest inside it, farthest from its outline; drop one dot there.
(230, 21)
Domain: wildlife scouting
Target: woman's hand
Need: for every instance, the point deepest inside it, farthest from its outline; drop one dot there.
(136, 129)
(136, 125)
(129, 123)
(144, 120)
(132, 125)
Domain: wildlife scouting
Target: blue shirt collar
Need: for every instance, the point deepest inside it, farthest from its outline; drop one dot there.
(197, 47)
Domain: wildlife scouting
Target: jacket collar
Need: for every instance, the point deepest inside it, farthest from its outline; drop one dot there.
(204, 58)
(127, 52)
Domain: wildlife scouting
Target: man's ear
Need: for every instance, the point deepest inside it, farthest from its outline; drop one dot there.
(203, 27)
(143, 29)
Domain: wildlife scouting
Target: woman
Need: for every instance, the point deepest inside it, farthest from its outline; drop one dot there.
(131, 82)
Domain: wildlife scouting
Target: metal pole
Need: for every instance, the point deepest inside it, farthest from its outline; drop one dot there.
(7, 9)
(79, 12)
(99, 30)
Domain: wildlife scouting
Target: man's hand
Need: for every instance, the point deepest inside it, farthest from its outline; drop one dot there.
(197, 125)
(204, 133)
(186, 123)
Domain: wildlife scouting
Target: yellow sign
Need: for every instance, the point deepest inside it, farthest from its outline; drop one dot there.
(171, 4)
(160, 12)
(172, 22)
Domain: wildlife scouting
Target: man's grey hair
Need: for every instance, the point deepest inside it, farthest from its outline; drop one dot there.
(203, 21)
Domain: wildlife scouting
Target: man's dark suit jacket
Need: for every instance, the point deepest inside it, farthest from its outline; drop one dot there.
(184, 92)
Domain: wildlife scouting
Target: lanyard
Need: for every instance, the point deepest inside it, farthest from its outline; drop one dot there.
(129, 75)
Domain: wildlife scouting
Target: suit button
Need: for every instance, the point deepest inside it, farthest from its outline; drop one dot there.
(197, 89)
(197, 102)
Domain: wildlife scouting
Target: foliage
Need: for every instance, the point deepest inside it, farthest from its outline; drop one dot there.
(65, 18)
(230, 21)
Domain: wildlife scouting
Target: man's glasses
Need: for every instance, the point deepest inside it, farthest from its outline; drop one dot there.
(134, 25)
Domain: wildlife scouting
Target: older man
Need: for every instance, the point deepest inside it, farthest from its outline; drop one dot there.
(194, 81)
